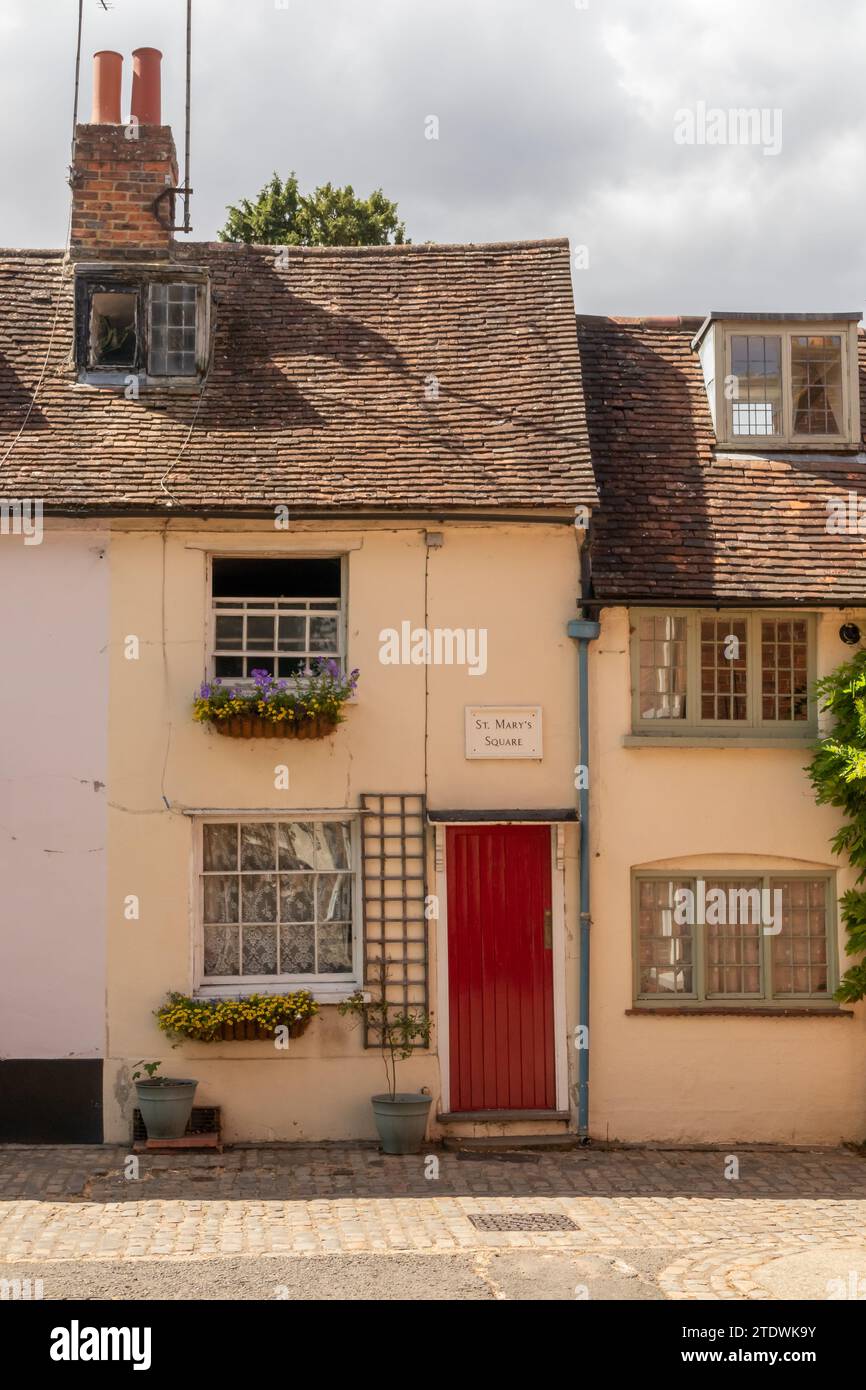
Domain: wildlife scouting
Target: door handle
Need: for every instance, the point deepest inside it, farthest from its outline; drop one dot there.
(548, 928)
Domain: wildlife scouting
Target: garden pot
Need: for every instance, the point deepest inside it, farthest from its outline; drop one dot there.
(165, 1106)
(253, 726)
(401, 1122)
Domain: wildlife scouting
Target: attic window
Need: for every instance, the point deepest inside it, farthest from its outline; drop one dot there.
(786, 377)
(151, 326)
(782, 380)
(113, 337)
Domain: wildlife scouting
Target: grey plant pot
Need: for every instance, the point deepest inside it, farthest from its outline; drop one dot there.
(165, 1106)
(401, 1122)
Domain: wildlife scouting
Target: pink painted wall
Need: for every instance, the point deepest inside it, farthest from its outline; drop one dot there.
(53, 758)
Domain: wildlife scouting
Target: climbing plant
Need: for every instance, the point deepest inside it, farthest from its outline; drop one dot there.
(838, 775)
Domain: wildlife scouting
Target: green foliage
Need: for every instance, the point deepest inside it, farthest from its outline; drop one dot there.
(202, 1019)
(838, 775)
(283, 216)
(151, 1068)
(399, 1032)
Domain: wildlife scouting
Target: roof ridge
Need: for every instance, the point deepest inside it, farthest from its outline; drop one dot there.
(45, 252)
(410, 248)
(646, 320)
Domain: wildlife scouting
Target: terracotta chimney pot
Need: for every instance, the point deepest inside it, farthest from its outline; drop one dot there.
(107, 74)
(146, 86)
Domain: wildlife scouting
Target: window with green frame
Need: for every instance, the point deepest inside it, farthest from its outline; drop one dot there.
(733, 938)
(719, 672)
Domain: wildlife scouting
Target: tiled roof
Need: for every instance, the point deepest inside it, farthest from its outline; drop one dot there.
(678, 520)
(316, 395)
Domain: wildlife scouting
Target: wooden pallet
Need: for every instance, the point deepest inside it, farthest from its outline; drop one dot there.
(204, 1131)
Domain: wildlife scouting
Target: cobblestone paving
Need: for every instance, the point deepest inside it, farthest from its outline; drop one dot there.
(717, 1238)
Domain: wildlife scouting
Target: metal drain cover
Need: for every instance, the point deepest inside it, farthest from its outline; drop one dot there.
(522, 1221)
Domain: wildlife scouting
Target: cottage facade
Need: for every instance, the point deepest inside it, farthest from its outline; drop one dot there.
(258, 456)
(724, 587)
(588, 592)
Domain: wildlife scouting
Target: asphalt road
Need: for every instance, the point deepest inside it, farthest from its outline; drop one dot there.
(478, 1276)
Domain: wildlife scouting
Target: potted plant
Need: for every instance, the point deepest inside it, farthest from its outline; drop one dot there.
(401, 1116)
(165, 1102)
(309, 706)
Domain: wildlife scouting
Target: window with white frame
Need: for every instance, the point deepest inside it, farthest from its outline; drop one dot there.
(721, 672)
(277, 901)
(736, 938)
(279, 615)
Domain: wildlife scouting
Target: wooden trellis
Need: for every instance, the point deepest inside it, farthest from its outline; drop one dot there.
(394, 864)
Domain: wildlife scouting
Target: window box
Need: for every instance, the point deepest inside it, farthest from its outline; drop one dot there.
(254, 726)
(248, 1032)
(246, 1018)
(308, 707)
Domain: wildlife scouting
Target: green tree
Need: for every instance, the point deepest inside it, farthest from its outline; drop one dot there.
(282, 215)
(838, 775)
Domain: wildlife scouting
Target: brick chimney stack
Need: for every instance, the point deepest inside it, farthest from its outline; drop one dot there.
(119, 171)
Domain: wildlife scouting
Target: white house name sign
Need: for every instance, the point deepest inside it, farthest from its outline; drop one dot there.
(503, 731)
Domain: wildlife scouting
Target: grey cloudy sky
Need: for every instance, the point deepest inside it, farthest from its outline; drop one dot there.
(553, 120)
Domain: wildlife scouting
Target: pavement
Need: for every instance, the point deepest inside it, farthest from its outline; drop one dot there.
(346, 1222)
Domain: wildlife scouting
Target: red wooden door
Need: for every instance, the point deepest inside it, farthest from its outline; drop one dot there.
(500, 968)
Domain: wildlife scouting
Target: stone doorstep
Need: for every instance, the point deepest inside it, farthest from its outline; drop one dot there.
(495, 1131)
(504, 1143)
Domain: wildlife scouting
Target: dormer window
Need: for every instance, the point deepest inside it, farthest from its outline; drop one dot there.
(153, 327)
(782, 381)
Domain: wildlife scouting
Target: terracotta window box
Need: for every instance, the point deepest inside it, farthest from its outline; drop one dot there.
(251, 1032)
(254, 726)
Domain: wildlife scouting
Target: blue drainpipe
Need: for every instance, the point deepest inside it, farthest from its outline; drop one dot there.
(584, 632)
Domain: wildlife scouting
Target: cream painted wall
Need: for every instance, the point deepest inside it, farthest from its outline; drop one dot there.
(518, 581)
(53, 760)
(706, 1079)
